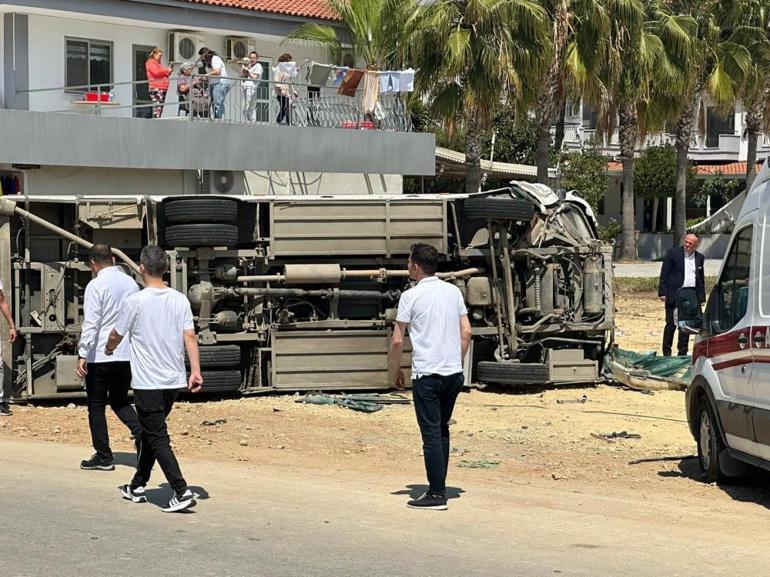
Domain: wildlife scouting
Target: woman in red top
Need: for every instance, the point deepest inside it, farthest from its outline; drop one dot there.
(157, 74)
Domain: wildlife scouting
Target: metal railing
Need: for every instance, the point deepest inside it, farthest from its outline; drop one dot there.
(239, 101)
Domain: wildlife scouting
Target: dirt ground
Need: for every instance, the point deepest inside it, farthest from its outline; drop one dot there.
(497, 436)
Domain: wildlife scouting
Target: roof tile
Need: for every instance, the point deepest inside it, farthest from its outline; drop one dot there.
(319, 9)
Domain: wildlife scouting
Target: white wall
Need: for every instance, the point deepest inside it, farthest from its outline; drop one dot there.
(310, 183)
(47, 56)
(2, 57)
(73, 180)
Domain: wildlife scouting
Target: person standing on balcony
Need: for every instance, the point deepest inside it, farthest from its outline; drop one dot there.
(251, 72)
(219, 84)
(682, 267)
(157, 76)
(108, 378)
(282, 89)
(435, 313)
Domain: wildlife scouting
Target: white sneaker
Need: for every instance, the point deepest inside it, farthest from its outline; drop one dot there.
(134, 495)
(180, 502)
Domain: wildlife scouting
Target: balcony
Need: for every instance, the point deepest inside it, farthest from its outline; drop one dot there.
(721, 147)
(327, 133)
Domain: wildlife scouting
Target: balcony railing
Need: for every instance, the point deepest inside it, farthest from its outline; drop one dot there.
(241, 102)
(576, 137)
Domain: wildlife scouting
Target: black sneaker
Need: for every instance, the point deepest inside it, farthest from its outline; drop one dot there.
(429, 500)
(5, 411)
(180, 502)
(136, 495)
(97, 463)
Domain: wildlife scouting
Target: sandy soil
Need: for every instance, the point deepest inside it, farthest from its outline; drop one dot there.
(529, 436)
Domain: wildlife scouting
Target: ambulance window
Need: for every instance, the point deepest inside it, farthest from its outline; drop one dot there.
(731, 295)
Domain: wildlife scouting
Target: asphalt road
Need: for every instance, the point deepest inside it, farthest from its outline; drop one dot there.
(652, 268)
(58, 521)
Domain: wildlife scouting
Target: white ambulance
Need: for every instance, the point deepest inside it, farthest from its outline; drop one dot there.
(728, 400)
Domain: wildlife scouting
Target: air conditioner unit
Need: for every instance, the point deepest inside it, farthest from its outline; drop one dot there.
(239, 48)
(224, 182)
(184, 46)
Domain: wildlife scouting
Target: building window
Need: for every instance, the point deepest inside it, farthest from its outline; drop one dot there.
(590, 116)
(88, 63)
(718, 123)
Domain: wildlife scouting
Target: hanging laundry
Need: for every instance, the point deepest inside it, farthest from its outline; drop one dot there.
(406, 80)
(371, 91)
(318, 74)
(385, 86)
(350, 82)
(339, 74)
(289, 68)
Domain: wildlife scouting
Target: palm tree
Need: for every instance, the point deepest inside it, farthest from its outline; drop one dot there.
(642, 60)
(715, 68)
(755, 91)
(472, 57)
(379, 31)
(576, 28)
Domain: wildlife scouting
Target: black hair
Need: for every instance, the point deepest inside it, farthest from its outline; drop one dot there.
(425, 257)
(285, 57)
(100, 254)
(155, 260)
(254, 52)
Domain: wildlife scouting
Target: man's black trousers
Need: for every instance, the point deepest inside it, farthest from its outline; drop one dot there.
(668, 334)
(109, 383)
(153, 407)
(434, 399)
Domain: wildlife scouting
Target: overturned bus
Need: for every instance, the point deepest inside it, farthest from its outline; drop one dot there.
(300, 293)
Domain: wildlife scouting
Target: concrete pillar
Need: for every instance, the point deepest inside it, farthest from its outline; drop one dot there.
(669, 213)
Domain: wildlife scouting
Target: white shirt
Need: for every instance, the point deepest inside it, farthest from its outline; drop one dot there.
(218, 63)
(103, 300)
(689, 270)
(256, 70)
(433, 309)
(154, 321)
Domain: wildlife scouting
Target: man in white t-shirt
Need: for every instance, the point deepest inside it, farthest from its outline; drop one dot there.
(159, 325)
(108, 379)
(440, 333)
(5, 411)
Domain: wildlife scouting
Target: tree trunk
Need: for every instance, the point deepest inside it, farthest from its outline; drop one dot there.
(753, 125)
(472, 152)
(628, 130)
(562, 111)
(551, 82)
(655, 205)
(684, 128)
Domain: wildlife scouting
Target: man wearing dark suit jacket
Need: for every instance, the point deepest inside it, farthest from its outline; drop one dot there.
(682, 267)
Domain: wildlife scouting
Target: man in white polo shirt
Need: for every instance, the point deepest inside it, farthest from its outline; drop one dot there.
(159, 325)
(108, 379)
(440, 333)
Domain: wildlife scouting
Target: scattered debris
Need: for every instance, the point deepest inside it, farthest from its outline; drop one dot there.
(610, 437)
(482, 464)
(276, 410)
(72, 406)
(378, 398)
(213, 422)
(657, 459)
(243, 443)
(352, 404)
(583, 399)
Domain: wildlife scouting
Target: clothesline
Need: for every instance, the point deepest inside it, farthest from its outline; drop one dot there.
(347, 79)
